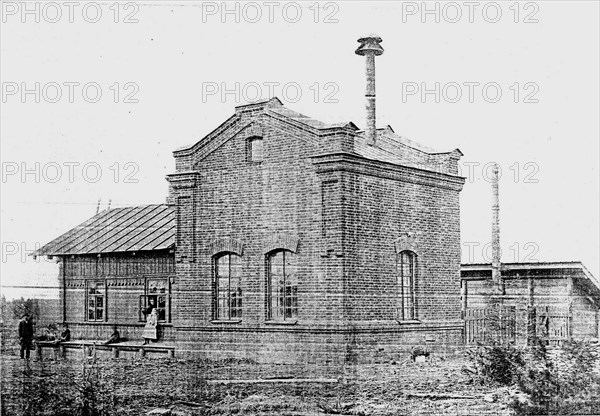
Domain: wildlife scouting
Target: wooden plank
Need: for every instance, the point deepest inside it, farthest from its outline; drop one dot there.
(275, 380)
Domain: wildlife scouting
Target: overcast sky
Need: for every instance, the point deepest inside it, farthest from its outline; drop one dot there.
(120, 86)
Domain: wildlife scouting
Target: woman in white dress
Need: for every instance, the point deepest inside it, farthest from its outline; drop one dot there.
(150, 328)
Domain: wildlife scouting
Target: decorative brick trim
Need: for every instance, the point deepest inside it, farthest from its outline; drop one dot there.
(347, 162)
(75, 283)
(226, 244)
(252, 130)
(111, 282)
(183, 180)
(281, 241)
(407, 241)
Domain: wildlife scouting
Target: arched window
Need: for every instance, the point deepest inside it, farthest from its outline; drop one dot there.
(228, 286)
(282, 285)
(407, 269)
(255, 149)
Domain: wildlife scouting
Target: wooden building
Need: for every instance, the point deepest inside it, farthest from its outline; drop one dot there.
(111, 265)
(558, 300)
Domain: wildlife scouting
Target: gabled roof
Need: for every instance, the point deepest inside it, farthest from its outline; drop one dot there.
(389, 148)
(142, 228)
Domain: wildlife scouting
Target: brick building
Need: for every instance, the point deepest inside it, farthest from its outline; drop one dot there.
(287, 240)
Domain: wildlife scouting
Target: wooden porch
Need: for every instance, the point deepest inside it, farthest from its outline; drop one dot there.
(97, 348)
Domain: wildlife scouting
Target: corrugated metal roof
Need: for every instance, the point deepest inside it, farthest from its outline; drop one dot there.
(148, 227)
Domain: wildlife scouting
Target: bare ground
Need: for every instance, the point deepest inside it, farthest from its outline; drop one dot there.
(186, 387)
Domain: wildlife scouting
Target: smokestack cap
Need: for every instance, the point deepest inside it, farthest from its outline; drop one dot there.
(370, 44)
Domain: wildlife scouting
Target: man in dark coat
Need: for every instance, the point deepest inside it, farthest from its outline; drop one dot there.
(25, 335)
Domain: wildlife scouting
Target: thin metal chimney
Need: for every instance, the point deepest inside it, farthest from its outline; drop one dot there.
(496, 254)
(370, 47)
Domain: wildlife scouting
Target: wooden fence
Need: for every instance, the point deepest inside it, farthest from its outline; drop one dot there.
(485, 325)
(499, 324)
(552, 324)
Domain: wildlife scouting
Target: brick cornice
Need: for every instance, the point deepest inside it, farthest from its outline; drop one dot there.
(349, 162)
(183, 180)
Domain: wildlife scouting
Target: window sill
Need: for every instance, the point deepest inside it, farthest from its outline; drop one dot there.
(409, 322)
(225, 321)
(294, 322)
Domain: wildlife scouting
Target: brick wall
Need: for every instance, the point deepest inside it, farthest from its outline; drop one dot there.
(379, 211)
(343, 225)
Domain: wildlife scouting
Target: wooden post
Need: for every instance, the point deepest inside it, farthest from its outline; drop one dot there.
(496, 254)
(464, 292)
(115, 352)
(531, 318)
(63, 282)
(570, 310)
(463, 309)
(38, 351)
(170, 353)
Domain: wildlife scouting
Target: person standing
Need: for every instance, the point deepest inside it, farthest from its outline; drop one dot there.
(25, 335)
(150, 332)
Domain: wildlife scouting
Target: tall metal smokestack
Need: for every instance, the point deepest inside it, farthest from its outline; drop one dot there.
(369, 48)
(496, 254)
